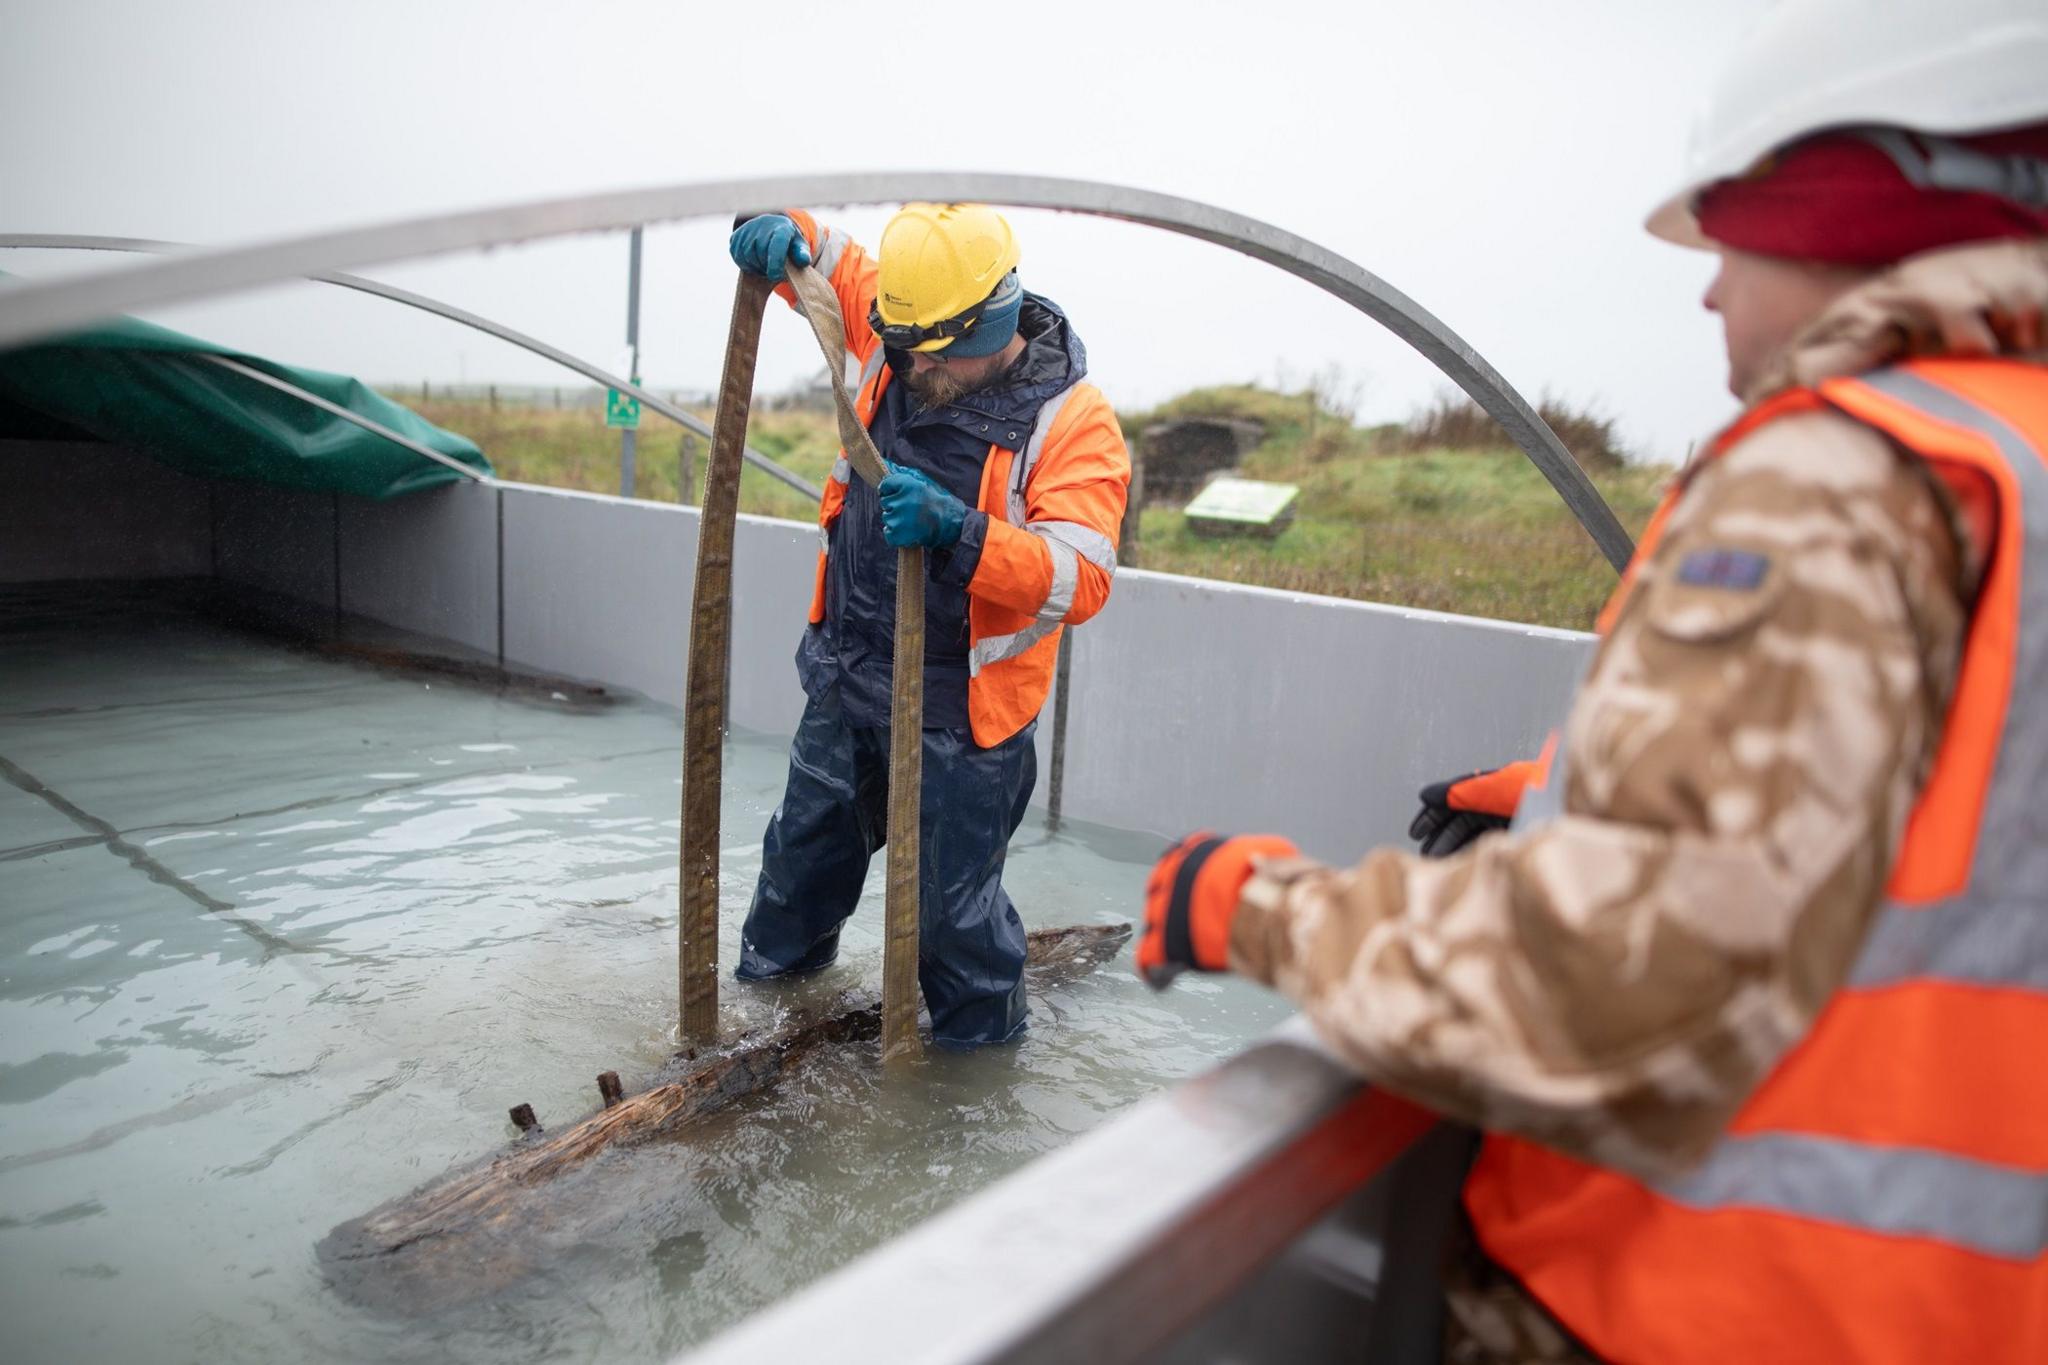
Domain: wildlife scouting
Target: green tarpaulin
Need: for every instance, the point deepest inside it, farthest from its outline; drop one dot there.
(148, 388)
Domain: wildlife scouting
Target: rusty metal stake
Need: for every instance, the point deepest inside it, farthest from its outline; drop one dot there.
(704, 693)
(906, 780)
(710, 649)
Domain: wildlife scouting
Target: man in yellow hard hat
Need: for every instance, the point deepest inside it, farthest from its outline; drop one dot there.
(1750, 997)
(1009, 469)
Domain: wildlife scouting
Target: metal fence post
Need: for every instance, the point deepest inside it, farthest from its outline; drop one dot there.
(627, 441)
(1056, 782)
(1134, 511)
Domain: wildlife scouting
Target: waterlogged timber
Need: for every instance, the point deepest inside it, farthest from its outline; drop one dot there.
(478, 1231)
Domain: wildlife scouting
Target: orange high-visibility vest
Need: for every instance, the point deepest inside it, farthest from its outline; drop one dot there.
(1883, 1196)
(1055, 510)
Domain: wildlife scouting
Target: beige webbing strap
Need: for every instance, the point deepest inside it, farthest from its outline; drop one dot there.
(819, 304)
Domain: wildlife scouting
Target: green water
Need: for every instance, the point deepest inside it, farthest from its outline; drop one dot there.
(283, 936)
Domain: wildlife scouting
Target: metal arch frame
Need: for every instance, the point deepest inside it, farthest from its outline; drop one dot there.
(33, 311)
(682, 417)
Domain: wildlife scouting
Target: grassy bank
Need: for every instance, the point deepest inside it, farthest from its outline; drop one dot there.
(1385, 516)
(1388, 514)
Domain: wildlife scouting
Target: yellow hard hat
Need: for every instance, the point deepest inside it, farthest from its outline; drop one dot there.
(938, 261)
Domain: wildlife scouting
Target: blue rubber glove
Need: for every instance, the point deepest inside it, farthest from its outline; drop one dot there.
(916, 511)
(759, 246)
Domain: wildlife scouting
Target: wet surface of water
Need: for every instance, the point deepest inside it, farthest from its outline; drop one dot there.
(282, 937)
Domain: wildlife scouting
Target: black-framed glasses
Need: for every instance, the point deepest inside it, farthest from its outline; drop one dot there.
(904, 336)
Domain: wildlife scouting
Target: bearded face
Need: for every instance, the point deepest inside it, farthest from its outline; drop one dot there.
(939, 385)
(935, 383)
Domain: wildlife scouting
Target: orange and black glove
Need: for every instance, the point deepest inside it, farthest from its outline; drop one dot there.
(1457, 811)
(1190, 899)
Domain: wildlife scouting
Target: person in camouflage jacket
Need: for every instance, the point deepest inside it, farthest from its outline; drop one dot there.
(1731, 785)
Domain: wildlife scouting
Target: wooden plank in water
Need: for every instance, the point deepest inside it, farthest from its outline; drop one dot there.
(473, 1231)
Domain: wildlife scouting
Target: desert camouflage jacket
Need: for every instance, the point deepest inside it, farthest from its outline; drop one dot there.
(1740, 765)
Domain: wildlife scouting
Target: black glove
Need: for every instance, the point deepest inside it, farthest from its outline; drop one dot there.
(1448, 822)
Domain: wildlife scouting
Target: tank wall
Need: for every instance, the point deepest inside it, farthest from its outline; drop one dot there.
(1196, 704)
(599, 589)
(278, 540)
(427, 562)
(1211, 705)
(79, 509)
(554, 582)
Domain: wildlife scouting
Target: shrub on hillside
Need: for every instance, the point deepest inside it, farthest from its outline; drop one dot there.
(1313, 425)
(1455, 422)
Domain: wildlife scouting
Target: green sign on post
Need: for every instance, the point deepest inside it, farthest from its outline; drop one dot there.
(619, 410)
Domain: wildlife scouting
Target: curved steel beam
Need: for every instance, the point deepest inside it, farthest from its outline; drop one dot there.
(648, 399)
(32, 311)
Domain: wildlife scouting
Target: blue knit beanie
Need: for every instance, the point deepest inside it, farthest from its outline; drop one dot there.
(997, 324)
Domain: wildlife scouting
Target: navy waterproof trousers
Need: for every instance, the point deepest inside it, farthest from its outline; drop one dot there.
(833, 818)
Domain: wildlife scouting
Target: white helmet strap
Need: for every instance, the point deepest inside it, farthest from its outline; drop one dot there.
(1939, 163)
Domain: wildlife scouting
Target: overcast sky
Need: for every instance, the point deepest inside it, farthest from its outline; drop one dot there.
(1492, 158)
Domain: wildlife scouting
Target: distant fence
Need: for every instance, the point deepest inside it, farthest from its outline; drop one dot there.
(814, 393)
(561, 396)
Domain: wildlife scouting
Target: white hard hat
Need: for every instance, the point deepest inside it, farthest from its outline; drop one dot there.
(1933, 66)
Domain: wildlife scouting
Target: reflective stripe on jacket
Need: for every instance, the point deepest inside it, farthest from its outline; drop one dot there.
(1883, 1196)
(1054, 509)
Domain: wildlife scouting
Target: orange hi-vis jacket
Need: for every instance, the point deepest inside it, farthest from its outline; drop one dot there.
(1055, 509)
(1883, 1196)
